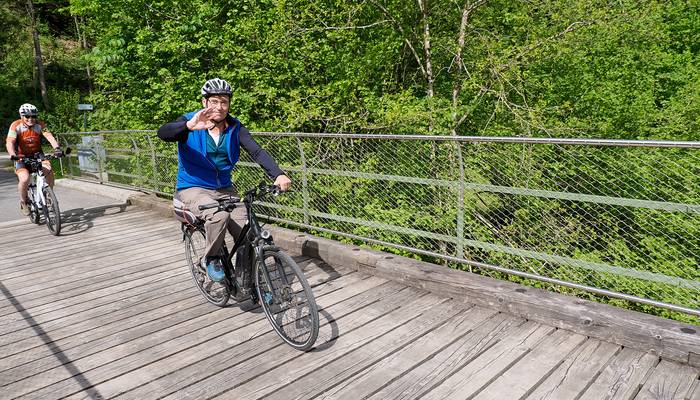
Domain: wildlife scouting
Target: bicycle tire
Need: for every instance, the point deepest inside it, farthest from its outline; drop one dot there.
(34, 216)
(52, 213)
(216, 293)
(287, 299)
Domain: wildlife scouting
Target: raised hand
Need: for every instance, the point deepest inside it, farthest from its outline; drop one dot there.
(201, 120)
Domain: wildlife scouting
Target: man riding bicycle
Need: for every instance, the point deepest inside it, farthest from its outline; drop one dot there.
(24, 140)
(209, 143)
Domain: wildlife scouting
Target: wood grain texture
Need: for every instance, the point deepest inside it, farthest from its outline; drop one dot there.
(669, 381)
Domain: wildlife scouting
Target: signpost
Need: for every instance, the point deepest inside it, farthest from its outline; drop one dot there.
(85, 108)
(89, 149)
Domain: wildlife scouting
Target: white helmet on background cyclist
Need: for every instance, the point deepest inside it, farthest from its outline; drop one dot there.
(28, 110)
(216, 86)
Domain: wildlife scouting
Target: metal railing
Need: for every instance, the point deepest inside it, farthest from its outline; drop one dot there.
(617, 218)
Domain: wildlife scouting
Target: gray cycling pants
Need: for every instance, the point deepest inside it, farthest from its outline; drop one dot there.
(216, 222)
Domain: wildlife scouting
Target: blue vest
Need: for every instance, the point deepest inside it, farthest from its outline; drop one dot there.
(195, 169)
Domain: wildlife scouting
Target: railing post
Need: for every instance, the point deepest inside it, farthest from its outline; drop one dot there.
(460, 203)
(153, 162)
(98, 155)
(304, 181)
(138, 161)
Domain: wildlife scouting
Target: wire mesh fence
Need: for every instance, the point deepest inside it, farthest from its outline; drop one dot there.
(615, 218)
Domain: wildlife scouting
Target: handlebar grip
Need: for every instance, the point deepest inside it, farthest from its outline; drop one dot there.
(208, 206)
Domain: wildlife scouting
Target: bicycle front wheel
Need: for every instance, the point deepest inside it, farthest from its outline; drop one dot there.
(286, 298)
(217, 293)
(52, 213)
(34, 215)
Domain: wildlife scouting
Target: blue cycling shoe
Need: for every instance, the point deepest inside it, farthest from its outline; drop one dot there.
(215, 270)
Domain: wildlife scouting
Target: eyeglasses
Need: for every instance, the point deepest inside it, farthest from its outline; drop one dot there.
(31, 116)
(217, 103)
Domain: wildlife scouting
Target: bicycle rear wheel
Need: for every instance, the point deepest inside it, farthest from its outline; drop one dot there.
(286, 298)
(52, 214)
(216, 293)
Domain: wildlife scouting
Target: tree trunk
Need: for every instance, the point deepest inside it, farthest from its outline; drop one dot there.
(429, 78)
(37, 56)
(83, 45)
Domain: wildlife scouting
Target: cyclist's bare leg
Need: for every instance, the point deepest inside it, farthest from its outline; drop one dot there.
(23, 183)
(48, 172)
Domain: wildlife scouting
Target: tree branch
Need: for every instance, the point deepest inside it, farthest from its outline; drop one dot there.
(405, 37)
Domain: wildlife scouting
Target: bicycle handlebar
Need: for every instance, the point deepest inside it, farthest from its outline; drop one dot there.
(41, 158)
(231, 200)
(254, 193)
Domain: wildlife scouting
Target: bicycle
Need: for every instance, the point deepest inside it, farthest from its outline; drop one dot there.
(41, 198)
(262, 271)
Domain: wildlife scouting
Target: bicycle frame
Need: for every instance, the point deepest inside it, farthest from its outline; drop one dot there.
(253, 233)
(39, 180)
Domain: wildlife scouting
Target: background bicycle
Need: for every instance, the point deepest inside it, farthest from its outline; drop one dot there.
(261, 271)
(41, 198)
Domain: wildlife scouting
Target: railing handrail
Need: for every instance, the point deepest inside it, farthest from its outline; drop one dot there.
(475, 139)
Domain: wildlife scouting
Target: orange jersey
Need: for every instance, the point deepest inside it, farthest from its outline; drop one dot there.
(28, 138)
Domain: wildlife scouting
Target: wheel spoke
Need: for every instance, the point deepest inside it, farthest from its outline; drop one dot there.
(287, 299)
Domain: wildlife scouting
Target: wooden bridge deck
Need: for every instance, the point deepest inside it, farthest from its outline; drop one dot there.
(108, 310)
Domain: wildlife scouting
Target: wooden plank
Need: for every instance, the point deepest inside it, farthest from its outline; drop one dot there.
(622, 377)
(104, 335)
(577, 371)
(66, 261)
(92, 235)
(60, 381)
(87, 288)
(78, 244)
(477, 326)
(49, 354)
(695, 395)
(25, 230)
(122, 271)
(148, 289)
(271, 374)
(98, 302)
(471, 377)
(537, 365)
(83, 244)
(71, 266)
(669, 339)
(201, 337)
(40, 340)
(254, 341)
(669, 381)
(107, 331)
(449, 361)
(115, 265)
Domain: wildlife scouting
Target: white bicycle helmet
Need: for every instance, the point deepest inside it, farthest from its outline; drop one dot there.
(216, 86)
(27, 109)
